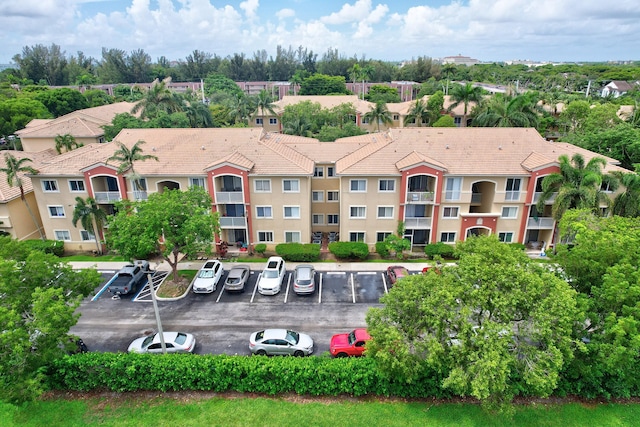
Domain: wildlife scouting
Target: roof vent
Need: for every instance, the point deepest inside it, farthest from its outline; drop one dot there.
(499, 147)
(153, 149)
(446, 146)
(202, 148)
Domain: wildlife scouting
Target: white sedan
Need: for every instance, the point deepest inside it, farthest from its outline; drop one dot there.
(175, 342)
(206, 281)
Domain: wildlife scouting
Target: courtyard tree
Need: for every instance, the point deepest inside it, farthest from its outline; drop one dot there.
(66, 142)
(466, 95)
(379, 113)
(495, 325)
(91, 217)
(127, 157)
(172, 223)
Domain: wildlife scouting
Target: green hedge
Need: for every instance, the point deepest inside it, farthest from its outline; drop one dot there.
(319, 376)
(349, 250)
(297, 252)
(440, 248)
(382, 249)
(260, 248)
(55, 247)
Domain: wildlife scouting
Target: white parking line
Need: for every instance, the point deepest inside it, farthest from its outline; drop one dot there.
(353, 289)
(220, 294)
(384, 282)
(286, 294)
(255, 287)
(367, 273)
(320, 290)
(106, 271)
(337, 272)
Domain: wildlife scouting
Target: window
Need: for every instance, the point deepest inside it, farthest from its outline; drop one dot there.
(356, 236)
(318, 171)
(50, 185)
(385, 211)
(85, 236)
(291, 186)
(259, 120)
(457, 121)
(262, 185)
(231, 183)
(196, 182)
(358, 211)
(358, 185)
(331, 171)
(365, 120)
(450, 212)
(292, 211)
(512, 190)
(386, 185)
(76, 185)
(606, 187)
(265, 236)
(317, 196)
(332, 219)
(333, 196)
(56, 211)
(139, 185)
(509, 212)
(318, 219)
(380, 236)
(264, 212)
(453, 186)
(273, 121)
(62, 235)
(292, 237)
(505, 237)
(396, 117)
(448, 237)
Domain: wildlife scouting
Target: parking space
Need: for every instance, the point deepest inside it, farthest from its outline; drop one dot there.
(369, 286)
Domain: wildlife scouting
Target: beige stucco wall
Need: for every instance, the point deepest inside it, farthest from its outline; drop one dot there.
(17, 220)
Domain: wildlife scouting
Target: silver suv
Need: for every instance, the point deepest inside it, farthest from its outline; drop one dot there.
(304, 279)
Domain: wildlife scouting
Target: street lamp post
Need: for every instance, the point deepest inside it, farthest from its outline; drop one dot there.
(157, 312)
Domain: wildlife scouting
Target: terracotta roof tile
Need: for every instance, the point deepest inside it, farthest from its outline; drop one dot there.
(7, 192)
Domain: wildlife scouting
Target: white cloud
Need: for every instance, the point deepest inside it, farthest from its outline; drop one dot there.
(360, 10)
(250, 8)
(285, 13)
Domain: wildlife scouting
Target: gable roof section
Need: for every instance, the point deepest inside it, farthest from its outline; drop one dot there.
(415, 158)
(235, 159)
(7, 192)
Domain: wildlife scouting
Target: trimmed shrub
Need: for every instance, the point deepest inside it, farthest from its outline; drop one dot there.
(297, 252)
(440, 248)
(55, 247)
(349, 250)
(382, 249)
(260, 248)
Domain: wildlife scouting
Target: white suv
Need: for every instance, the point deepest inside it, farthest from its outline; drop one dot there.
(272, 276)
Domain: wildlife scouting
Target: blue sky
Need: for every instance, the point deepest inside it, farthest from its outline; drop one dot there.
(394, 30)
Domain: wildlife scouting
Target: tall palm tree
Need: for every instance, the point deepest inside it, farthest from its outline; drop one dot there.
(379, 113)
(299, 125)
(239, 109)
(627, 203)
(14, 169)
(465, 94)
(66, 141)
(508, 111)
(447, 69)
(199, 114)
(578, 185)
(263, 104)
(418, 113)
(91, 217)
(126, 157)
(157, 98)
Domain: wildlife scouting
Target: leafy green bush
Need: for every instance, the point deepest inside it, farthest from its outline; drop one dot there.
(382, 249)
(349, 250)
(520, 246)
(439, 249)
(260, 248)
(55, 247)
(297, 252)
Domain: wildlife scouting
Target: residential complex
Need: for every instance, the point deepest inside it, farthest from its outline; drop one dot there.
(444, 184)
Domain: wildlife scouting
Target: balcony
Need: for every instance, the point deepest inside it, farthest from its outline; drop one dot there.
(540, 223)
(138, 195)
(417, 223)
(107, 196)
(420, 196)
(229, 197)
(550, 201)
(233, 222)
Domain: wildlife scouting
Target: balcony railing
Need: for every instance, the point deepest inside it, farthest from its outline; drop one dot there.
(139, 195)
(549, 201)
(476, 197)
(420, 196)
(540, 223)
(233, 222)
(107, 196)
(227, 197)
(511, 196)
(417, 223)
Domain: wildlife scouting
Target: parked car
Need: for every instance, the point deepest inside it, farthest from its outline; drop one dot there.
(304, 279)
(396, 272)
(272, 276)
(206, 281)
(176, 342)
(349, 344)
(237, 278)
(280, 341)
(128, 278)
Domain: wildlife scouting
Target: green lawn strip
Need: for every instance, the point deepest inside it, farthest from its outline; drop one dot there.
(160, 411)
(92, 258)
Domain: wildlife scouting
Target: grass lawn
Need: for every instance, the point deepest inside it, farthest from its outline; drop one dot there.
(216, 411)
(94, 258)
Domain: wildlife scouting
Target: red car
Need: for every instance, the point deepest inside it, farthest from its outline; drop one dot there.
(350, 344)
(396, 272)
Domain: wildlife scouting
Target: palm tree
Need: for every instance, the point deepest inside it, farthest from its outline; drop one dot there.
(127, 157)
(508, 111)
(263, 104)
(379, 113)
(199, 114)
(66, 141)
(298, 126)
(627, 203)
(465, 94)
(157, 98)
(577, 185)
(91, 217)
(239, 109)
(418, 113)
(447, 69)
(14, 169)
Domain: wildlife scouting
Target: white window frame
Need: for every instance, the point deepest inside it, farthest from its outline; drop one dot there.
(291, 208)
(261, 181)
(59, 209)
(358, 207)
(444, 209)
(454, 193)
(317, 196)
(502, 236)
(66, 238)
(259, 121)
(364, 236)
(387, 181)
(84, 189)
(386, 208)
(52, 183)
(352, 181)
(449, 234)
(318, 171)
(291, 181)
(511, 209)
(317, 219)
(89, 236)
(330, 217)
(273, 121)
(196, 181)
(330, 193)
(266, 235)
(264, 207)
(384, 235)
(293, 240)
(512, 195)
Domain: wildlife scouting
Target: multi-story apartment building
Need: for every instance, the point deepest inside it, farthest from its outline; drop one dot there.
(444, 184)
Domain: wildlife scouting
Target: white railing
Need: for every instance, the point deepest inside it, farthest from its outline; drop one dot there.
(226, 197)
(417, 223)
(511, 196)
(540, 223)
(107, 196)
(139, 195)
(420, 196)
(233, 222)
(549, 201)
